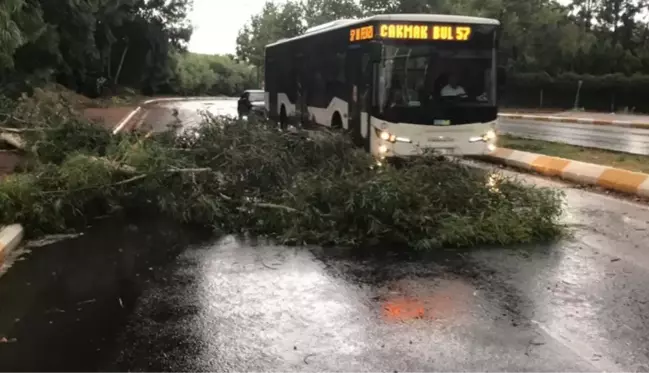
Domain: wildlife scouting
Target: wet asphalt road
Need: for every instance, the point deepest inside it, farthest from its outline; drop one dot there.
(157, 296)
(623, 139)
(190, 113)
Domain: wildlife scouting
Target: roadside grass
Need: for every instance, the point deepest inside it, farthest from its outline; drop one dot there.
(631, 162)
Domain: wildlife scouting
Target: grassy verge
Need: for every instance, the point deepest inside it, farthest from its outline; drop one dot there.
(631, 162)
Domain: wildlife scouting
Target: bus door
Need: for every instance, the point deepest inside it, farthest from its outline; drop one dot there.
(301, 108)
(358, 91)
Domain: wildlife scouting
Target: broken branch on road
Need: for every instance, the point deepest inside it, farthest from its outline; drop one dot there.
(257, 180)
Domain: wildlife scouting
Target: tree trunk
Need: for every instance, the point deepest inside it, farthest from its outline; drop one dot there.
(121, 63)
(109, 70)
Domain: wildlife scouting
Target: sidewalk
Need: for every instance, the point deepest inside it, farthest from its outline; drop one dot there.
(583, 117)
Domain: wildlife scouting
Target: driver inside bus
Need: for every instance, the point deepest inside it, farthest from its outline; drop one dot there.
(453, 89)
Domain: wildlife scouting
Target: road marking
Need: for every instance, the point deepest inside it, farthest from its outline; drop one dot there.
(142, 119)
(125, 121)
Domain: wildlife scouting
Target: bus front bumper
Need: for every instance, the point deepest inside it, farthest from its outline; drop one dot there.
(405, 140)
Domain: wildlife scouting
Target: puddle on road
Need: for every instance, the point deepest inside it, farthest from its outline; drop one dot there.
(442, 300)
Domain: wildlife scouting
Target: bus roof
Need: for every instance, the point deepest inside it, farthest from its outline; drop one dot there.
(341, 23)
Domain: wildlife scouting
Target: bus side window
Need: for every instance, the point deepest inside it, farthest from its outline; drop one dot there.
(375, 82)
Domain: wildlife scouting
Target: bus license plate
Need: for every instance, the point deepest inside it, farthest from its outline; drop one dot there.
(444, 151)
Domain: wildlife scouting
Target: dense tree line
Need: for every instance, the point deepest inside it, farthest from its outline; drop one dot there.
(199, 74)
(96, 46)
(604, 43)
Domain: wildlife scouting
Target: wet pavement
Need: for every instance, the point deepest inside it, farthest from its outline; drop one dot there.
(623, 139)
(189, 113)
(147, 297)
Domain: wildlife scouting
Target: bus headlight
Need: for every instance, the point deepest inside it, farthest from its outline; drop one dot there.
(487, 137)
(383, 149)
(387, 136)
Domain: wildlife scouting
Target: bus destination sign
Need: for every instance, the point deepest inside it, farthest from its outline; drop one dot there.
(412, 32)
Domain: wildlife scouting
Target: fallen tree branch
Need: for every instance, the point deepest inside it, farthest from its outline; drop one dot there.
(188, 170)
(279, 207)
(268, 184)
(23, 130)
(122, 182)
(15, 119)
(13, 140)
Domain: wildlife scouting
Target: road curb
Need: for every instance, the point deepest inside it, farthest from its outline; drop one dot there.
(616, 179)
(554, 118)
(10, 238)
(125, 121)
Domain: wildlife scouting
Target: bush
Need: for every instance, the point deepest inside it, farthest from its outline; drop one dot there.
(296, 188)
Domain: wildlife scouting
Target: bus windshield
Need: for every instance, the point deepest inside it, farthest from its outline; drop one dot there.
(435, 84)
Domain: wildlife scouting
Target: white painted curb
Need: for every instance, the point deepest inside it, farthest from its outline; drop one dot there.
(566, 119)
(10, 238)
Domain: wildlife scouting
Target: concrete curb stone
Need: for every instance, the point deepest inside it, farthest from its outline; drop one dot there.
(10, 237)
(580, 172)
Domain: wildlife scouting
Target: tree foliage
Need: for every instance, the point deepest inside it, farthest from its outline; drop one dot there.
(198, 74)
(585, 37)
(92, 45)
(244, 177)
(275, 22)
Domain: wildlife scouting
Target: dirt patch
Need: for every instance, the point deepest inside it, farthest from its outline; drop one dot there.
(8, 162)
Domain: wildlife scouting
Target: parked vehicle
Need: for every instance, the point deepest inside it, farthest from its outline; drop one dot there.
(252, 102)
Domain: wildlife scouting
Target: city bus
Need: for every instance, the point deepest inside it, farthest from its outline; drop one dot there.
(399, 84)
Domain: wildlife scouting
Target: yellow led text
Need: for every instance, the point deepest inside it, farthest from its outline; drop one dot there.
(404, 32)
(424, 32)
(460, 33)
(361, 33)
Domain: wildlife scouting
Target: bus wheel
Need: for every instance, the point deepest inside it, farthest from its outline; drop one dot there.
(336, 121)
(283, 119)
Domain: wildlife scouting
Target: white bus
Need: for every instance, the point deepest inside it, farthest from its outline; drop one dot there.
(397, 83)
